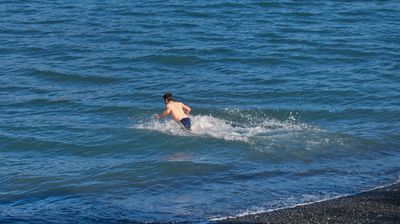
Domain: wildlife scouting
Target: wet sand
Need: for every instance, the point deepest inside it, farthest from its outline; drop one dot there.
(380, 205)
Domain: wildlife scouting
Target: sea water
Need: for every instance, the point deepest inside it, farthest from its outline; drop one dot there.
(292, 102)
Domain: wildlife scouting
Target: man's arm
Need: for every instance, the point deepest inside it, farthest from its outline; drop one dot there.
(163, 114)
(186, 109)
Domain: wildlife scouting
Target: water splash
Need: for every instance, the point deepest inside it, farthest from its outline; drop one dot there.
(209, 126)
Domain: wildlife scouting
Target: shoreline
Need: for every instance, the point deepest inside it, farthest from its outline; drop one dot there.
(379, 205)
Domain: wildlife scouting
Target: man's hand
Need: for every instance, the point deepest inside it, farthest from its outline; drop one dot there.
(163, 114)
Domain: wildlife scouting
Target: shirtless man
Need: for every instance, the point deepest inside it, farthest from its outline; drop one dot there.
(178, 111)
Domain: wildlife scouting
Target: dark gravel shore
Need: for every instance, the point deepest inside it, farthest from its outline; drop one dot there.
(376, 206)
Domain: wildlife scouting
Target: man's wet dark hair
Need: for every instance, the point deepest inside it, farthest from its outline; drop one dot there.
(168, 97)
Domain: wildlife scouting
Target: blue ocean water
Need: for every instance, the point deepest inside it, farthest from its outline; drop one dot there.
(293, 102)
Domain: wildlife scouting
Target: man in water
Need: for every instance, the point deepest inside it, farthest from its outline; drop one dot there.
(178, 111)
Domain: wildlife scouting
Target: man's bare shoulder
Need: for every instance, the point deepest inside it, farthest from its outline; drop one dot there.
(178, 103)
(174, 104)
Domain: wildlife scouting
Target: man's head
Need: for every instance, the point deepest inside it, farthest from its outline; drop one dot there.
(168, 97)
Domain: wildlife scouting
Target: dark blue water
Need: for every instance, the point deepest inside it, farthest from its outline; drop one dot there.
(293, 102)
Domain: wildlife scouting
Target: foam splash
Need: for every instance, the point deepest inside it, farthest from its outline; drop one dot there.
(209, 126)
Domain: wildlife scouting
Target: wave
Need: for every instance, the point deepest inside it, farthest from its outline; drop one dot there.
(64, 77)
(258, 210)
(171, 59)
(306, 199)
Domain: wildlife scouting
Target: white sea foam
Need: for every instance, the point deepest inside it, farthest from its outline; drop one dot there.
(311, 199)
(306, 199)
(207, 125)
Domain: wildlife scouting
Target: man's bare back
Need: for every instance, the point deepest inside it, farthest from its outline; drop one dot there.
(178, 111)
